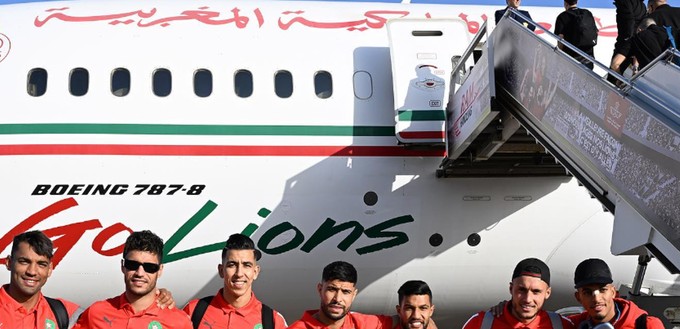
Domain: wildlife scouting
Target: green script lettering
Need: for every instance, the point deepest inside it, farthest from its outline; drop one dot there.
(328, 229)
(275, 231)
(378, 231)
(184, 230)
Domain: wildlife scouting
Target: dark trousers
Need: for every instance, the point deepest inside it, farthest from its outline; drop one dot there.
(629, 13)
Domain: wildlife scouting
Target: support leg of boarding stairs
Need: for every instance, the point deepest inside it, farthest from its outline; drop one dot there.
(643, 260)
(627, 240)
(633, 235)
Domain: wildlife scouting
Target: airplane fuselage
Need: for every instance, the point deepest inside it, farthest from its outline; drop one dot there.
(312, 177)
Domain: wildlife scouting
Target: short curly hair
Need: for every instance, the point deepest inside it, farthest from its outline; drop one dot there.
(144, 241)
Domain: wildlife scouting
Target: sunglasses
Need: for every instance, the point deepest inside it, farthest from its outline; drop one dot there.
(133, 265)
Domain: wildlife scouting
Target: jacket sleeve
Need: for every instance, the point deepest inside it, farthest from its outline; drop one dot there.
(474, 322)
(654, 323)
(190, 306)
(73, 310)
(566, 323)
(279, 320)
(84, 320)
(186, 321)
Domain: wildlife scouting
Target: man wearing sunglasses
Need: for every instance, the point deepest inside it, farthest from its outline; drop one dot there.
(136, 307)
(235, 305)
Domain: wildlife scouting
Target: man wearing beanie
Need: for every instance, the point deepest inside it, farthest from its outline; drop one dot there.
(597, 295)
(529, 288)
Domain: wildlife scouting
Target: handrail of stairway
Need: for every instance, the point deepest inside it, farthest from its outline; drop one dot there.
(627, 82)
(667, 56)
(470, 49)
(618, 76)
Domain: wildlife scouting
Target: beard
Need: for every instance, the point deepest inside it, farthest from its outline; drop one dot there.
(599, 317)
(332, 316)
(406, 325)
(140, 291)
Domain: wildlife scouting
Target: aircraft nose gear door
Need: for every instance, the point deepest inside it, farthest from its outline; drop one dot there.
(421, 52)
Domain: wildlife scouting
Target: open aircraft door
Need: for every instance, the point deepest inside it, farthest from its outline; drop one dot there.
(421, 52)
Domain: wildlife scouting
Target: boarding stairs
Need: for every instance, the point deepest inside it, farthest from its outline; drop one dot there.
(621, 143)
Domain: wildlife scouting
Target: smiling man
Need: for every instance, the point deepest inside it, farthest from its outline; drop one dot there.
(415, 307)
(136, 307)
(235, 305)
(598, 296)
(22, 304)
(529, 288)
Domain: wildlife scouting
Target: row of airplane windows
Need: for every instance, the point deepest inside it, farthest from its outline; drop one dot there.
(79, 81)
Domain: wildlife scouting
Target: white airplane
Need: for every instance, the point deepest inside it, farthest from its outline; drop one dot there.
(197, 120)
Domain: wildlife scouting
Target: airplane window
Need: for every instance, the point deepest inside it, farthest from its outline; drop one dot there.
(283, 84)
(37, 82)
(80, 80)
(243, 83)
(162, 82)
(323, 84)
(203, 83)
(363, 85)
(120, 82)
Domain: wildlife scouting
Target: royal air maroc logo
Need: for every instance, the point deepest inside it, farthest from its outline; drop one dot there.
(49, 324)
(155, 325)
(5, 46)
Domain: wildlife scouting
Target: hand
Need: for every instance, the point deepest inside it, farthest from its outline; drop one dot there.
(164, 299)
(497, 310)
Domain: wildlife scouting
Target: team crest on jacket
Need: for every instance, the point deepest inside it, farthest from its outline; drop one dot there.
(258, 326)
(155, 325)
(49, 324)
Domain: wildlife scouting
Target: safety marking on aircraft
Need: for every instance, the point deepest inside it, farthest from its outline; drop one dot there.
(216, 150)
(5, 46)
(198, 130)
(412, 115)
(422, 135)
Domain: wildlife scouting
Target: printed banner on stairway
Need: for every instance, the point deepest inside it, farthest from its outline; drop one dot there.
(575, 108)
(470, 108)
